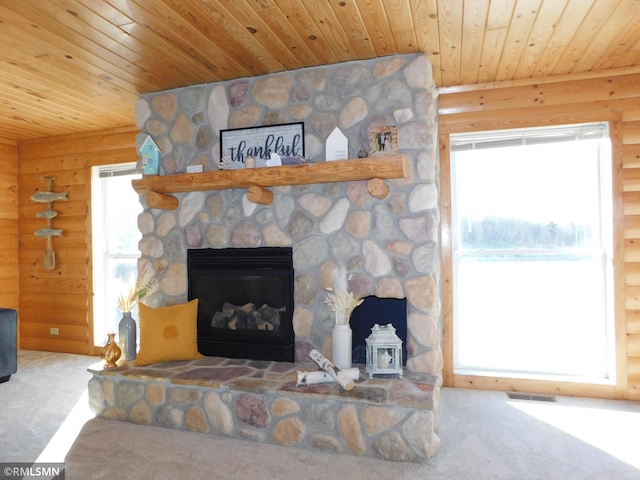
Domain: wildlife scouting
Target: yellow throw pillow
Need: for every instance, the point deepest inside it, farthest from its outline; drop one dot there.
(168, 334)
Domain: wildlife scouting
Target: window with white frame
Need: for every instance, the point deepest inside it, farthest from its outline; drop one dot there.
(115, 207)
(532, 253)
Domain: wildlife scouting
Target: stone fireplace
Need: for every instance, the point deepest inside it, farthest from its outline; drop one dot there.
(390, 247)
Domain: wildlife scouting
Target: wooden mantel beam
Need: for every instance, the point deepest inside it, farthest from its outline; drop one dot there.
(383, 167)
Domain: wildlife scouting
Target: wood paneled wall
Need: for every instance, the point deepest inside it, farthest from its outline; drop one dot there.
(612, 96)
(60, 298)
(8, 224)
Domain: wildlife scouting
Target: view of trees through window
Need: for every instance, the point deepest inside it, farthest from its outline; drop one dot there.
(496, 232)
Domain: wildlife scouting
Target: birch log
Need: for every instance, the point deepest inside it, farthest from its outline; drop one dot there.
(320, 376)
(326, 365)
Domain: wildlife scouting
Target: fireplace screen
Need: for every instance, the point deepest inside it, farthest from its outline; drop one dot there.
(245, 307)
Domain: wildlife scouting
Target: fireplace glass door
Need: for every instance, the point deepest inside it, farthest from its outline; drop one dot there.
(245, 302)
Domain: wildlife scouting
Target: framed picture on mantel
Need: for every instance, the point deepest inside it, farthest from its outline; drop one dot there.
(271, 145)
(383, 141)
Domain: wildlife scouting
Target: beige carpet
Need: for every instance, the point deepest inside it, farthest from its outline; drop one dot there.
(144, 452)
(41, 406)
(484, 434)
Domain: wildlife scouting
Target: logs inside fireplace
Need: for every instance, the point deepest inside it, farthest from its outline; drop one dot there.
(248, 317)
(245, 307)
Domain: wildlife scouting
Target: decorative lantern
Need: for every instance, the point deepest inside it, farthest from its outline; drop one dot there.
(384, 351)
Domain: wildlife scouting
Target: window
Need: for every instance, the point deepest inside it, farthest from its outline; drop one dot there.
(115, 207)
(532, 253)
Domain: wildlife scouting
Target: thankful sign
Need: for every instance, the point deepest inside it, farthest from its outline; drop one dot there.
(236, 145)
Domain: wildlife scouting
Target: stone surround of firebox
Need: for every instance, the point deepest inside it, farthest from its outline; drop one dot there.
(387, 418)
(390, 246)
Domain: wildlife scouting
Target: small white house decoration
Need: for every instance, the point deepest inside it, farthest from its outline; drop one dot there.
(150, 155)
(337, 146)
(384, 351)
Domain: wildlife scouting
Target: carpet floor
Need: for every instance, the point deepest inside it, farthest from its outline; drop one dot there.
(485, 435)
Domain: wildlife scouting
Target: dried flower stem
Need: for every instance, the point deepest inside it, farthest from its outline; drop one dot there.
(340, 299)
(138, 290)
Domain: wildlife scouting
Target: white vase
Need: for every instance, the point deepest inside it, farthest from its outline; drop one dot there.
(341, 346)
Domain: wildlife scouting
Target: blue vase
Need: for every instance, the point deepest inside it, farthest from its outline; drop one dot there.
(127, 336)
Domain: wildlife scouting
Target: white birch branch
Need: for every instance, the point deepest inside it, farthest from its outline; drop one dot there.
(320, 376)
(325, 364)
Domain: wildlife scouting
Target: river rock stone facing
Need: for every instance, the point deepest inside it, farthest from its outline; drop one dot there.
(388, 418)
(390, 246)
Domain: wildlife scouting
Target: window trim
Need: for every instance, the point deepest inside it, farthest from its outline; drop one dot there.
(126, 165)
(449, 126)
(600, 251)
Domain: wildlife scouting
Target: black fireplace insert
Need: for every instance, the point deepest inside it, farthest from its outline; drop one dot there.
(245, 306)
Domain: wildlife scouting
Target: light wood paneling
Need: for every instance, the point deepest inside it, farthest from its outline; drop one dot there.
(633, 345)
(8, 225)
(60, 298)
(633, 321)
(634, 368)
(548, 100)
(69, 66)
(534, 386)
(631, 156)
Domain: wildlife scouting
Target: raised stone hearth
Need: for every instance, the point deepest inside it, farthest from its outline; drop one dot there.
(387, 418)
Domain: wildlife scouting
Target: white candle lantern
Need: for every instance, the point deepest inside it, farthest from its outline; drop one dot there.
(384, 351)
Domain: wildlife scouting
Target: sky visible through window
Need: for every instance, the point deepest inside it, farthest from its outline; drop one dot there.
(542, 183)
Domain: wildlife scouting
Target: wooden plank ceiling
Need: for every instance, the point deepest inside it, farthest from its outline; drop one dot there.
(69, 66)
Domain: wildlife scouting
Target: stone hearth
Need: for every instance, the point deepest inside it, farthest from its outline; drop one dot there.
(387, 418)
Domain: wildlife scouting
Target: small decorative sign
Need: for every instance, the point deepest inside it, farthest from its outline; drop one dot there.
(285, 141)
(383, 141)
(150, 156)
(337, 146)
